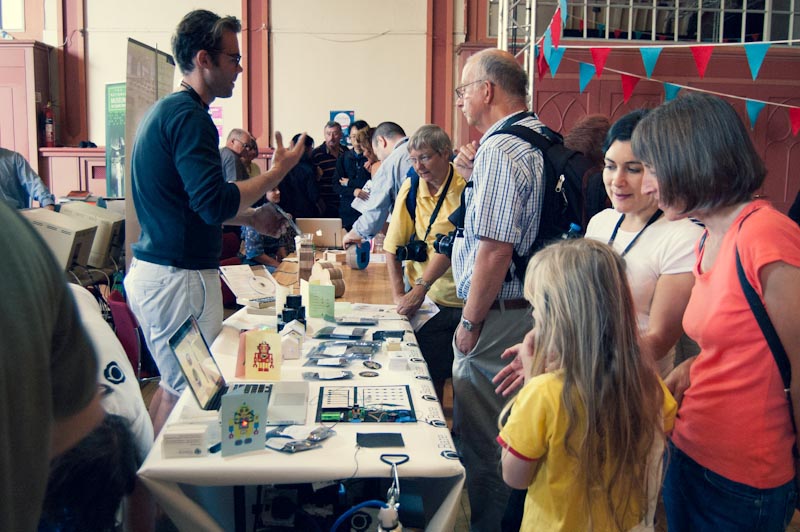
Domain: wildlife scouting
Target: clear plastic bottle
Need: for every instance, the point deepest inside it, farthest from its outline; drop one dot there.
(377, 243)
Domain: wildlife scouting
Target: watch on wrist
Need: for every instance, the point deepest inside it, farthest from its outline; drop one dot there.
(469, 325)
(421, 282)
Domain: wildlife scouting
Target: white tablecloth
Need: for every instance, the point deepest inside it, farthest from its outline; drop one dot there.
(430, 448)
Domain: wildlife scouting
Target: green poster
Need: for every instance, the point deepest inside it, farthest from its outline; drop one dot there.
(115, 140)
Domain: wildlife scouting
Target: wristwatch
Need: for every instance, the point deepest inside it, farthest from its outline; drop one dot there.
(421, 282)
(469, 325)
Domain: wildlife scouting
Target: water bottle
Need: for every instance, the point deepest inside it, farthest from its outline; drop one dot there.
(377, 243)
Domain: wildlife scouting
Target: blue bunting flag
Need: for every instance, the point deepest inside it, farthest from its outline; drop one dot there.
(586, 74)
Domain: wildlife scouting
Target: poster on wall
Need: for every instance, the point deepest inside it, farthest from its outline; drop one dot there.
(150, 77)
(115, 140)
(216, 116)
(344, 119)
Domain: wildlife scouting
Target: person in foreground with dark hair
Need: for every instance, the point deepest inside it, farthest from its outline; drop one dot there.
(88, 482)
(730, 460)
(182, 199)
(48, 371)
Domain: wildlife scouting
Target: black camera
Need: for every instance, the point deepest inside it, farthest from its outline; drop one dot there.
(416, 250)
(444, 243)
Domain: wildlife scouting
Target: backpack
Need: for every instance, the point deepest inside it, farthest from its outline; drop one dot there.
(411, 199)
(562, 205)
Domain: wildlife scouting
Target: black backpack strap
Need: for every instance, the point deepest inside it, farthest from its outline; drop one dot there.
(543, 144)
(771, 335)
(411, 199)
(527, 134)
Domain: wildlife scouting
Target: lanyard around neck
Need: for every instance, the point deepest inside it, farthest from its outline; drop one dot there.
(439, 203)
(656, 215)
(193, 93)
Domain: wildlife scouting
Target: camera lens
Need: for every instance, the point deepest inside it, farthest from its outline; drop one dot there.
(444, 244)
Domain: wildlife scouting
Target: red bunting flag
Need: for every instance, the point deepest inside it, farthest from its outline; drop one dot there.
(794, 118)
(702, 54)
(599, 56)
(628, 84)
(541, 62)
(555, 28)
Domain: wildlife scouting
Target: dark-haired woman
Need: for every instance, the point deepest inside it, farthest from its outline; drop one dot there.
(658, 253)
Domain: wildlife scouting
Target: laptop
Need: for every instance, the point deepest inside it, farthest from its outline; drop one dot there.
(327, 231)
(287, 400)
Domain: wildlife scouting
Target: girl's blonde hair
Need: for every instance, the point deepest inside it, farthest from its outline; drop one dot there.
(585, 323)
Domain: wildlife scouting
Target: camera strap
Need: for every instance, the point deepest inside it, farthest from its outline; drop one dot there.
(439, 203)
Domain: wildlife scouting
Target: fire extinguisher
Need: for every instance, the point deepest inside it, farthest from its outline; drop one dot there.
(49, 126)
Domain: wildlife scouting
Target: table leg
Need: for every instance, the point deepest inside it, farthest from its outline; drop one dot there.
(239, 509)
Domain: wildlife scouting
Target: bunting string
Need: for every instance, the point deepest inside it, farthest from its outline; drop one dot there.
(550, 55)
(687, 87)
(670, 45)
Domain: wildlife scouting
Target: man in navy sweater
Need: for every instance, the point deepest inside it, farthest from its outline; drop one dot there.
(182, 199)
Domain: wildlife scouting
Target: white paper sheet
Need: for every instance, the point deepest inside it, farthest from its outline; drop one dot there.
(426, 311)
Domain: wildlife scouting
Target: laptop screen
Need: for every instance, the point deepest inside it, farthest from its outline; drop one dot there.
(327, 231)
(199, 367)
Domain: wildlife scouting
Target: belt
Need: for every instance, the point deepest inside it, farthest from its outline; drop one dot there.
(509, 304)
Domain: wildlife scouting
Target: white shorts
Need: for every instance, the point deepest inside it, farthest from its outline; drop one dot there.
(162, 298)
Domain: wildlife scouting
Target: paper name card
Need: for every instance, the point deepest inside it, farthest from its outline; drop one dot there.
(242, 423)
(321, 299)
(260, 355)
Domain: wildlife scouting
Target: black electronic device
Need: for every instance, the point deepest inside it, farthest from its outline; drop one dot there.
(383, 335)
(415, 250)
(444, 243)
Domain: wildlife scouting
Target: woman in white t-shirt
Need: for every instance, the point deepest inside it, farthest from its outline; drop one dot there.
(659, 254)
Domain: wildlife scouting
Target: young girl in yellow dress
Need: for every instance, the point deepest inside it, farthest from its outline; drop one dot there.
(586, 433)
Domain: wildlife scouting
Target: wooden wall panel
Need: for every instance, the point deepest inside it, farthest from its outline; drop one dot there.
(560, 103)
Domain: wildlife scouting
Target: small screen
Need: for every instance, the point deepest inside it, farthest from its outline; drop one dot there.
(199, 367)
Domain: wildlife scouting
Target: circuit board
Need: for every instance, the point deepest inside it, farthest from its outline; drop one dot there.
(365, 404)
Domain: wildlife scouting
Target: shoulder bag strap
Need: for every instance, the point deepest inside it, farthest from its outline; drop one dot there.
(773, 341)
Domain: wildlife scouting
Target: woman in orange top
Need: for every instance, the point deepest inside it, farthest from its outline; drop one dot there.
(730, 466)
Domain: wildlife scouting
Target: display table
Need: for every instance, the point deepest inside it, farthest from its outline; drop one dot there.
(427, 442)
(370, 285)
